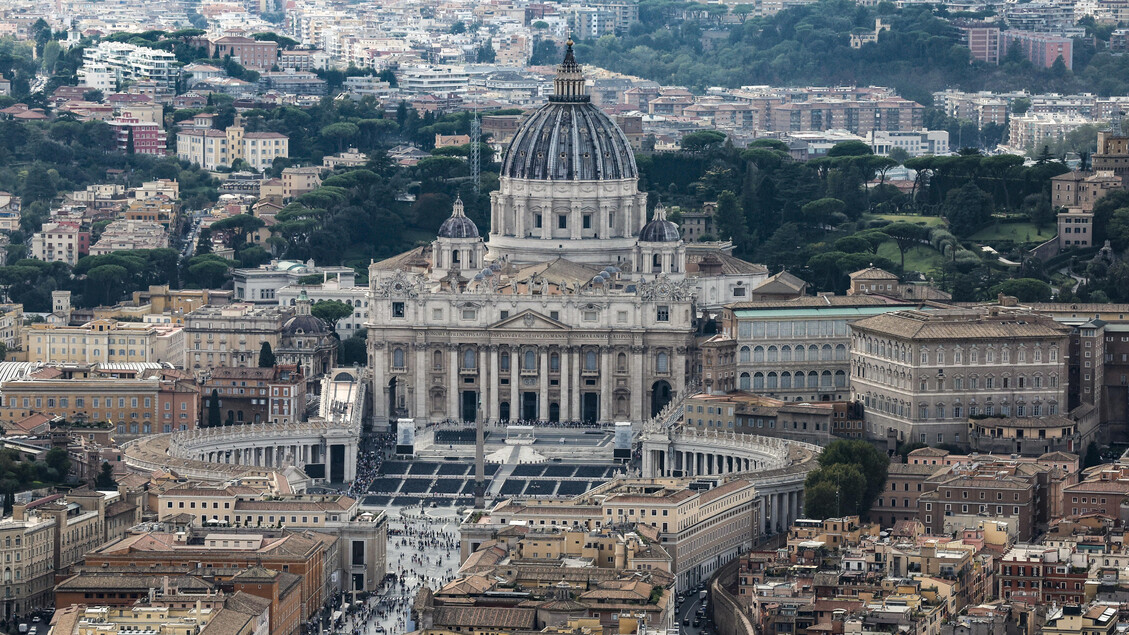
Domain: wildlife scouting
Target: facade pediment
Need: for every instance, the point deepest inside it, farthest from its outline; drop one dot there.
(528, 320)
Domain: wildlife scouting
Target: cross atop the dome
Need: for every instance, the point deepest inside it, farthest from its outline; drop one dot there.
(569, 84)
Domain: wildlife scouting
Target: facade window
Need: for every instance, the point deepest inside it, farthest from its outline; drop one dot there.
(397, 309)
(662, 363)
(662, 313)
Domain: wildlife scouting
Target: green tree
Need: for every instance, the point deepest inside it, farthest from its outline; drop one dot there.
(105, 480)
(340, 133)
(702, 140)
(899, 154)
(58, 460)
(835, 491)
(1020, 105)
(331, 312)
(266, 356)
(214, 417)
(730, 220)
(849, 149)
(1025, 289)
(353, 350)
(871, 462)
(906, 235)
(966, 209)
(1093, 456)
(823, 211)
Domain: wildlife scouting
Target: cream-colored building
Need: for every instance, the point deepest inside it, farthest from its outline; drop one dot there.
(211, 149)
(363, 535)
(699, 529)
(299, 180)
(130, 235)
(103, 341)
(62, 241)
(233, 334)
(27, 544)
(922, 375)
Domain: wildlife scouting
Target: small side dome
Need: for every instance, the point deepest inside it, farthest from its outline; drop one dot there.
(659, 230)
(458, 225)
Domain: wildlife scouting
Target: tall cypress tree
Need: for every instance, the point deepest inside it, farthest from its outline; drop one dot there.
(266, 356)
(214, 409)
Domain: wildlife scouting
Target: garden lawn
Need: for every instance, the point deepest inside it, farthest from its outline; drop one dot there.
(1015, 232)
(928, 221)
(918, 258)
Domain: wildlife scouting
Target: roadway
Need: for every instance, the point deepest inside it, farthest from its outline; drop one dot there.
(697, 624)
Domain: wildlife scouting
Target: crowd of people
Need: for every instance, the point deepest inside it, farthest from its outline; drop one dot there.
(419, 554)
(453, 424)
(370, 459)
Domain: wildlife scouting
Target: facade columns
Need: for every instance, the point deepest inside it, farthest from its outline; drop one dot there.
(379, 363)
(543, 380)
(638, 394)
(491, 383)
(515, 379)
(566, 394)
(421, 384)
(453, 383)
(577, 413)
(605, 383)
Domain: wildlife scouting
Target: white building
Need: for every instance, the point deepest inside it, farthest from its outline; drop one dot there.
(262, 284)
(110, 64)
(915, 142)
(433, 80)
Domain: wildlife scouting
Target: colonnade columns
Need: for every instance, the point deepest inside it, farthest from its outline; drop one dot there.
(494, 386)
(566, 396)
(420, 411)
(605, 383)
(543, 396)
(515, 379)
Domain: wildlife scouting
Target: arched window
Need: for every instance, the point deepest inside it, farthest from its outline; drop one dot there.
(657, 263)
(504, 360)
(825, 379)
(758, 354)
(621, 362)
(758, 381)
(840, 352)
(662, 363)
(555, 362)
(744, 383)
(840, 379)
(397, 358)
(785, 379)
(744, 353)
(437, 360)
(772, 381)
(813, 379)
(590, 360)
(530, 362)
(800, 355)
(825, 352)
(786, 353)
(468, 359)
(773, 354)
(813, 353)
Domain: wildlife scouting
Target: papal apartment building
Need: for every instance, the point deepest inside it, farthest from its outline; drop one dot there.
(922, 375)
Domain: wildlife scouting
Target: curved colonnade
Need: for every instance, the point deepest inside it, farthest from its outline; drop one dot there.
(777, 467)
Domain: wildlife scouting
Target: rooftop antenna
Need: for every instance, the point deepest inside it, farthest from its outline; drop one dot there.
(1116, 124)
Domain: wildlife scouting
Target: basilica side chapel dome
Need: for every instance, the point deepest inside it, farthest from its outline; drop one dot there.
(569, 138)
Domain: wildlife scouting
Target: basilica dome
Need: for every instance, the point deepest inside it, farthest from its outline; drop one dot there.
(458, 225)
(569, 138)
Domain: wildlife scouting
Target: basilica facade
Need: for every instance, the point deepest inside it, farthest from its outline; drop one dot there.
(576, 309)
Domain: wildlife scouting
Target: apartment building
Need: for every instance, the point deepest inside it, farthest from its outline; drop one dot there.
(302, 553)
(299, 180)
(131, 235)
(102, 341)
(232, 335)
(701, 530)
(110, 66)
(172, 613)
(257, 395)
(27, 543)
(133, 135)
(362, 557)
(62, 241)
(250, 54)
(922, 374)
(211, 149)
(1080, 190)
(135, 406)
